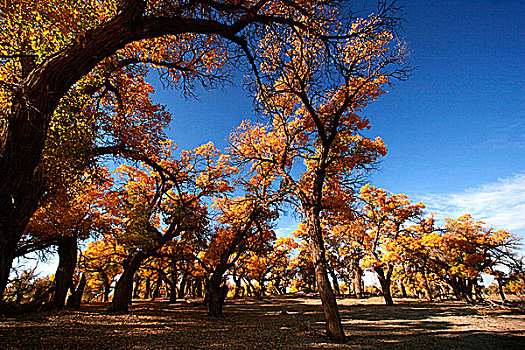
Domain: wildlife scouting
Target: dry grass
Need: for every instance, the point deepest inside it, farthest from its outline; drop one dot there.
(275, 323)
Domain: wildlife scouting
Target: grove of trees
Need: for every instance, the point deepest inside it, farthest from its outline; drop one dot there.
(76, 102)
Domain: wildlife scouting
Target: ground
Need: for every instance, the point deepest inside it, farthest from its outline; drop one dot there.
(289, 322)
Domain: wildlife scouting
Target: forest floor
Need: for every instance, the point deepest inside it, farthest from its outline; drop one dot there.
(286, 322)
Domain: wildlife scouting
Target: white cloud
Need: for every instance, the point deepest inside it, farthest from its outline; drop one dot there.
(500, 204)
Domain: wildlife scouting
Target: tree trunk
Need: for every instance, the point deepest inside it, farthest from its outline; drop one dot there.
(147, 290)
(198, 287)
(214, 295)
(156, 290)
(136, 287)
(67, 253)
(75, 299)
(182, 286)
(124, 287)
(238, 286)
(402, 288)
(334, 327)
(426, 285)
(107, 287)
(385, 281)
(500, 290)
(337, 290)
(357, 273)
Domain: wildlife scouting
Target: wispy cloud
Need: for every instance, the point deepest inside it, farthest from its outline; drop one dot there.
(500, 204)
(507, 136)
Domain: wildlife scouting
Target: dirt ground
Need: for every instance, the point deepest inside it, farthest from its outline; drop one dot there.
(288, 322)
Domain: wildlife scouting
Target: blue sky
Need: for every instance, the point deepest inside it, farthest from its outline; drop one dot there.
(455, 130)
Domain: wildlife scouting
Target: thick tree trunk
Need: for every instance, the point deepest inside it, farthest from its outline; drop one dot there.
(334, 327)
(67, 253)
(75, 299)
(124, 287)
(385, 281)
(215, 294)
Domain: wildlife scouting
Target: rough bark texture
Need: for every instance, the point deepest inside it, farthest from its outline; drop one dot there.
(75, 299)
(124, 288)
(385, 282)
(67, 253)
(215, 300)
(426, 285)
(334, 328)
(335, 282)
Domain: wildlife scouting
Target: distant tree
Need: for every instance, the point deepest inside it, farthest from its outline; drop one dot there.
(386, 217)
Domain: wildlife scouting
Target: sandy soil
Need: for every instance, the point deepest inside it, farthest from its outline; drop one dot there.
(274, 323)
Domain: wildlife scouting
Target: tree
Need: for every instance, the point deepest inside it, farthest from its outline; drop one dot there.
(243, 223)
(313, 98)
(386, 216)
(71, 214)
(165, 201)
(465, 250)
(101, 262)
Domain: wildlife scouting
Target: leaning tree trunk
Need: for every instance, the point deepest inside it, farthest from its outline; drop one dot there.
(385, 281)
(124, 288)
(426, 286)
(500, 290)
(402, 288)
(67, 253)
(334, 327)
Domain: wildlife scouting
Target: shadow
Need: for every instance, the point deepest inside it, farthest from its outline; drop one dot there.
(285, 322)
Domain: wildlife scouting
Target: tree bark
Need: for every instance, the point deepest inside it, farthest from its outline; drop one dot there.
(215, 294)
(402, 288)
(156, 290)
(124, 288)
(75, 299)
(357, 273)
(335, 282)
(334, 327)
(107, 287)
(67, 253)
(500, 290)
(385, 281)
(426, 285)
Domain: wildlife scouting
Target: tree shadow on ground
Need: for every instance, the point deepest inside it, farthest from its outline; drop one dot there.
(290, 323)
